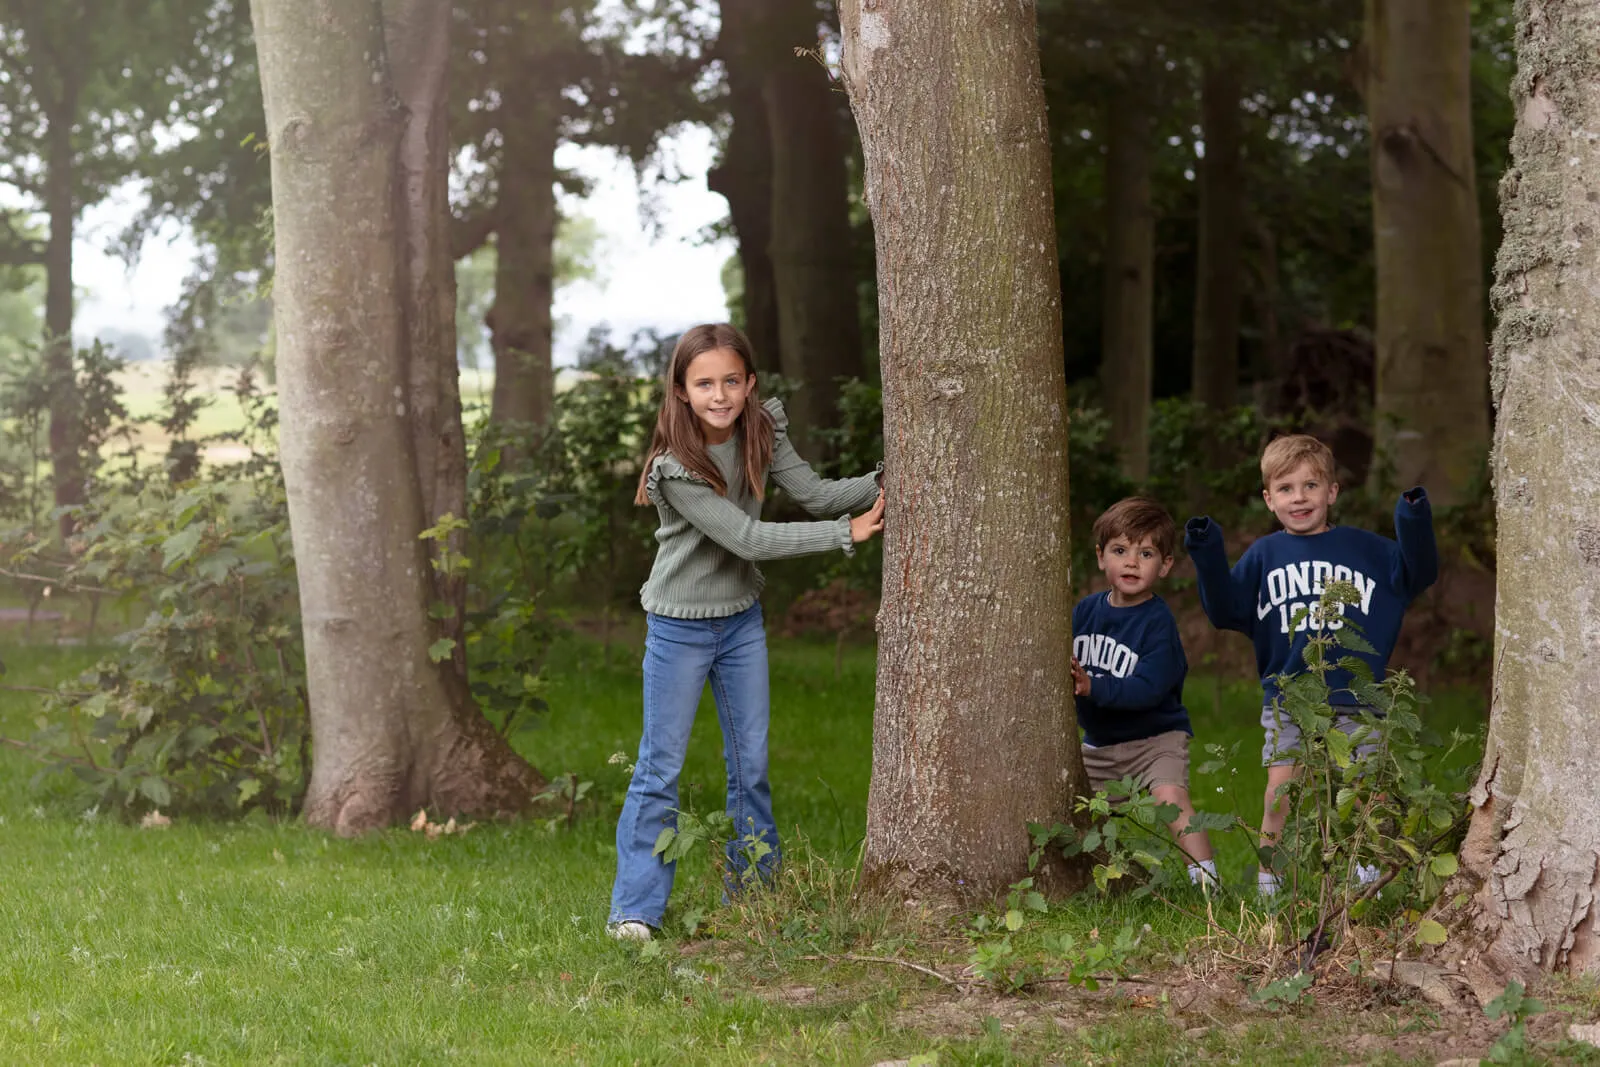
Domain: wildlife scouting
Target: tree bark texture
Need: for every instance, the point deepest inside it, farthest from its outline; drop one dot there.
(417, 36)
(66, 460)
(1432, 406)
(392, 730)
(744, 177)
(1127, 343)
(974, 734)
(1533, 847)
(1221, 237)
(813, 267)
(524, 281)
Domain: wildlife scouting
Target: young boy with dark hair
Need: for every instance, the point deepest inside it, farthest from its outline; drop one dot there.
(1271, 595)
(1128, 669)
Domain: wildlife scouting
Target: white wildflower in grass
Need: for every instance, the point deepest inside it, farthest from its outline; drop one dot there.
(617, 757)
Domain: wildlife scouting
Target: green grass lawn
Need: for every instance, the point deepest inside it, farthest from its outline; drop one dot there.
(251, 942)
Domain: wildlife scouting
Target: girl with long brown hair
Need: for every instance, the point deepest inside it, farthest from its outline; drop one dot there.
(714, 445)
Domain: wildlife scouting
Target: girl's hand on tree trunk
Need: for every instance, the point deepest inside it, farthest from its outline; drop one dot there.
(869, 522)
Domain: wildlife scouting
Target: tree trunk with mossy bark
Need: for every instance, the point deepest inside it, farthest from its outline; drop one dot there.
(520, 324)
(360, 298)
(1531, 860)
(1220, 262)
(974, 734)
(813, 264)
(1127, 356)
(744, 176)
(1432, 399)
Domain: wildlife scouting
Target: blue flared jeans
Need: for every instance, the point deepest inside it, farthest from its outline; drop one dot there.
(680, 656)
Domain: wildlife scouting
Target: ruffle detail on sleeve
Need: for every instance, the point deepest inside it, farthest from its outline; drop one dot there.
(665, 467)
(780, 418)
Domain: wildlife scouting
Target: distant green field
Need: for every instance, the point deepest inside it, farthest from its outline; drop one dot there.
(143, 384)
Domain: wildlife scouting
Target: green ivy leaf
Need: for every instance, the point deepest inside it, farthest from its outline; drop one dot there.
(440, 650)
(1444, 866)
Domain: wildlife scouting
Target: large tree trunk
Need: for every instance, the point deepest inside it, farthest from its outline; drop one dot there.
(1534, 842)
(392, 730)
(524, 277)
(65, 457)
(744, 176)
(974, 734)
(1432, 403)
(1127, 345)
(813, 266)
(419, 47)
(1219, 263)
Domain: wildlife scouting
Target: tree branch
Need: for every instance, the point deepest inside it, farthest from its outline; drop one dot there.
(16, 249)
(472, 232)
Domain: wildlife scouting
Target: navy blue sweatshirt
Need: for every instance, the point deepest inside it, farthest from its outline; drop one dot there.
(1136, 667)
(1283, 573)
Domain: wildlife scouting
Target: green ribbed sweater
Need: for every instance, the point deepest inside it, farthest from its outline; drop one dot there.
(708, 544)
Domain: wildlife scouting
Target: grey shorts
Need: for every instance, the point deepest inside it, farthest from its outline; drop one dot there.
(1159, 760)
(1283, 735)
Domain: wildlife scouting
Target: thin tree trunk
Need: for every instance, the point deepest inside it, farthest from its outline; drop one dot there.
(1432, 406)
(744, 178)
(65, 460)
(974, 734)
(1219, 263)
(812, 263)
(1127, 346)
(524, 278)
(1532, 854)
(393, 730)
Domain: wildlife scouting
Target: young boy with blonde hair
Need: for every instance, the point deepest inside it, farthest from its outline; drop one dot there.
(1271, 595)
(1128, 669)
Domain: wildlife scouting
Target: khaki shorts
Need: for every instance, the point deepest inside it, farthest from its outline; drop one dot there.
(1159, 760)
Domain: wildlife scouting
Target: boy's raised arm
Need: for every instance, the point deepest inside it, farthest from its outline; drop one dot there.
(1228, 597)
(1419, 553)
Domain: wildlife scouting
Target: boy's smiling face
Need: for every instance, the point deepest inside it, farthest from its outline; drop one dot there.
(1132, 569)
(1300, 498)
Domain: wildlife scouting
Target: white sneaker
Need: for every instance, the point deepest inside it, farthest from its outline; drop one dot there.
(1366, 875)
(1266, 885)
(629, 931)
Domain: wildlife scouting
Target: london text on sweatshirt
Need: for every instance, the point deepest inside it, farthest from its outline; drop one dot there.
(1136, 667)
(1272, 593)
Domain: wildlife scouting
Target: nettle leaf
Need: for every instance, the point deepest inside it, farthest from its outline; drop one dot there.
(1210, 820)
(180, 546)
(1339, 745)
(1353, 641)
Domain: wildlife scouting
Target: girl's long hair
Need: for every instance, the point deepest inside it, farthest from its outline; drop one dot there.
(678, 429)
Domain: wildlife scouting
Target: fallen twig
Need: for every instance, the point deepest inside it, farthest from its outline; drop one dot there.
(929, 971)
